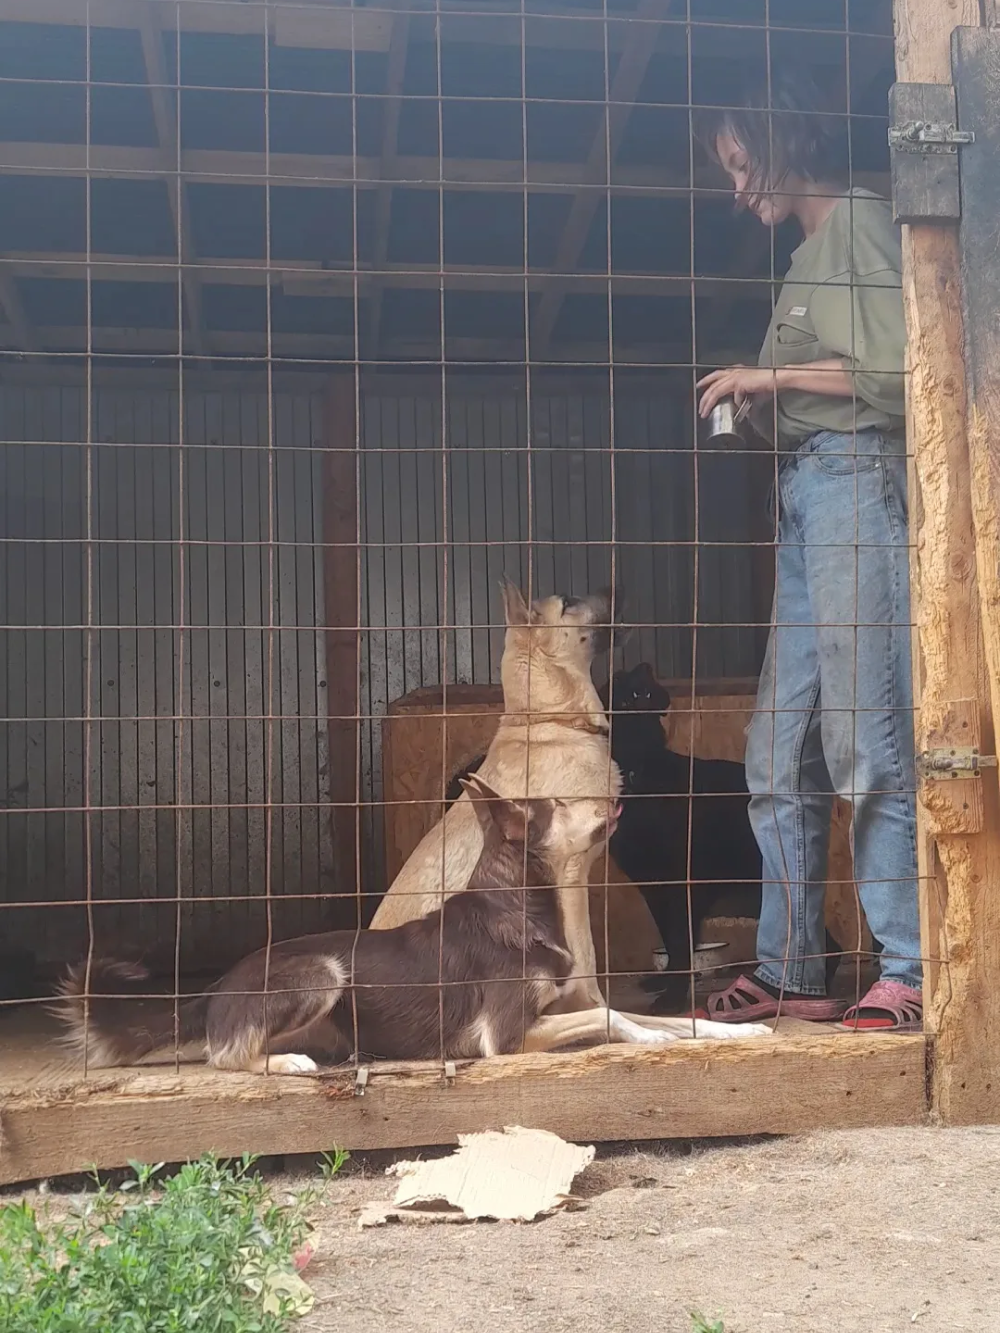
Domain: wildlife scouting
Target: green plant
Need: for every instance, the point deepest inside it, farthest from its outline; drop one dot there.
(202, 1251)
(699, 1324)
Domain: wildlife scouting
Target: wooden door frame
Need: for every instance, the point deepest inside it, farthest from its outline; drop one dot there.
(958, 821)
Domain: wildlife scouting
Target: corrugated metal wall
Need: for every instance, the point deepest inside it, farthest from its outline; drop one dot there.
(492, 488)
(144, 760)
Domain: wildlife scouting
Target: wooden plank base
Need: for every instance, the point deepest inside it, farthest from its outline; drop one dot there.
(691, 1089)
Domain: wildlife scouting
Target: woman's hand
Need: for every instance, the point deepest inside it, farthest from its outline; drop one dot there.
(737, 382)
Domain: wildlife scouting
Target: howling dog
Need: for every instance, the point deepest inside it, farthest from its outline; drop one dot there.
(470, 979)
(552, 741)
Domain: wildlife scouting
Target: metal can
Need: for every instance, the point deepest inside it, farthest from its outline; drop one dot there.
(723, 424)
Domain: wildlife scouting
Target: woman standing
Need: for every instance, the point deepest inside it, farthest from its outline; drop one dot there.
(834, 707)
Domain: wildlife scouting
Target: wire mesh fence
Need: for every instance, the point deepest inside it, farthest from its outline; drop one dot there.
(318, 321)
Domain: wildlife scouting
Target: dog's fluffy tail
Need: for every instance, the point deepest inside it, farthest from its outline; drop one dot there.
(107, 1029)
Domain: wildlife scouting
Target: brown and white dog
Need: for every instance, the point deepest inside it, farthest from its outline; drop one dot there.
(470, 979)
(552, 741)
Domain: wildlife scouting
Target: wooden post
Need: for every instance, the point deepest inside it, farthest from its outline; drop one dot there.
(976, 73)
(342, 619)
(959, 821)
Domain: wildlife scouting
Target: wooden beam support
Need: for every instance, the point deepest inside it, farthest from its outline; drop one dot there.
(342, 616)
(640, 43)
(165, 120)
(959, 852)
(975, 1075)
(298, 348)
(703, 1089)
(13, 310)
(399, 45)
(227, 167)
(319, 25)
(309, 278)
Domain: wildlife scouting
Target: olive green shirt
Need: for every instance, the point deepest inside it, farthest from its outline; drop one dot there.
(842, 299)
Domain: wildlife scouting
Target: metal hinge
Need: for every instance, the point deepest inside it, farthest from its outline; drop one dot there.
(962, 761)
(927, 136)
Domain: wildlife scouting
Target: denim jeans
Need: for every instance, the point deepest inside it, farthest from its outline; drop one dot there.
(834, 708)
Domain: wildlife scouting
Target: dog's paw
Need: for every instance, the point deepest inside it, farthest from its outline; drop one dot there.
(623, 1029)
(291, 1064)
(734, 1031)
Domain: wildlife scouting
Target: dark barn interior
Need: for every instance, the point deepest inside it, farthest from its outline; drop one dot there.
(314, 320)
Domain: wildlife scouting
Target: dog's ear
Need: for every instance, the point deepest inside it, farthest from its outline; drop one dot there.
(516, 610)
(478, 787)
(511, 819)
(645, 673)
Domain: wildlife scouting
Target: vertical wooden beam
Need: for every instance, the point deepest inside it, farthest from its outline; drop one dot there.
(13, 310)
(165, 120)
(399, 42)
(342, 617)
(959, 839)
(976, 73)
(640, 43)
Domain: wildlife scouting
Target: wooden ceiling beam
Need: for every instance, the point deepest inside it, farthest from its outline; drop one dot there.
(59, 341)
(165, 119)
(313, 280)
(391, 108)
(640, 43)
(222, 166)
(13, 310)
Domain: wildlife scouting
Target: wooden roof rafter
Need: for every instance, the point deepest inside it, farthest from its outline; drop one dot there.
(13, 309)
(624, 88)
(399, 44)
(164, 117)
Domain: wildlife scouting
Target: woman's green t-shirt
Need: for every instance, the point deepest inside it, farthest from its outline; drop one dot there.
(842, 298)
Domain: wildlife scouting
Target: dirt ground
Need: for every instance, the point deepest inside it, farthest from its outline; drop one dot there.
(865, 1232)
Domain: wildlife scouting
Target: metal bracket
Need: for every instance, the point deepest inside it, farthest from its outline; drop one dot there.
(962, 761)
(449, 1072)
(927, 136)
(361, 1081)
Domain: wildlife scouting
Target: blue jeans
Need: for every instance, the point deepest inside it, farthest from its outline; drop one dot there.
(834, 709)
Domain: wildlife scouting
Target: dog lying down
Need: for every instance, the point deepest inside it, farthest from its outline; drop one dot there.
(505, 929)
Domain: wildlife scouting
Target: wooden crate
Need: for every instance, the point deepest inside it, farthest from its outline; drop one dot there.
(424, 744)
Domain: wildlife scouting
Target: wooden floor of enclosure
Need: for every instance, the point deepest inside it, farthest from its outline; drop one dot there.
(55, 1119)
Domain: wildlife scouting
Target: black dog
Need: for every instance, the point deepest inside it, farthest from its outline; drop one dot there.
(651, 844)
(656, 829)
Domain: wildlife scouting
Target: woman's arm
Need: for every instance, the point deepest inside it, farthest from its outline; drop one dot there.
(830, 378)
(741, 382)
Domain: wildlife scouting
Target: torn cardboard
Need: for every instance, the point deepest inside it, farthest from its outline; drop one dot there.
(514, 1176)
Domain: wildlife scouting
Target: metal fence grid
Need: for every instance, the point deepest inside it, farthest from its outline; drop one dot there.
(318, 319)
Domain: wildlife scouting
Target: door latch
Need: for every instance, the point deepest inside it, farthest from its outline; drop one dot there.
(957, 762)
(928, 136)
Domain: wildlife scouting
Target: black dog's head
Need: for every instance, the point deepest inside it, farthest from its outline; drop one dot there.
(636, 691)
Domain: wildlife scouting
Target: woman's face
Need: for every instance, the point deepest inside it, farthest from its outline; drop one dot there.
(771, 209)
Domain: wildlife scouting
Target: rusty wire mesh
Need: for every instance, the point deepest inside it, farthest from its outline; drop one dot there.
(319, 319)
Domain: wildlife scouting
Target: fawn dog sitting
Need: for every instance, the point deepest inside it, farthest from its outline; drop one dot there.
(552, 740)
(470, 979)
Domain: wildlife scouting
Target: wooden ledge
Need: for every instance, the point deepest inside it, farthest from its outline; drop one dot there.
(692, 1089)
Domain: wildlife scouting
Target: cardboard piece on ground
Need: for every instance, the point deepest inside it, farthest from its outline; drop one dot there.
(515, 1176)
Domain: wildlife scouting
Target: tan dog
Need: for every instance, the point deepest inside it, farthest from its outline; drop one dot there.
(552, 742)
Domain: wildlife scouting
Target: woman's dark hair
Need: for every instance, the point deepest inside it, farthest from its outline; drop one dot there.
(784, 127)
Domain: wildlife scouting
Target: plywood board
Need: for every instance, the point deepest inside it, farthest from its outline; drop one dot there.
(422, 749)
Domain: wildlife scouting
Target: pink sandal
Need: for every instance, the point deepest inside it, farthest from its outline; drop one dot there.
(888, 1007)
(746, 1002)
